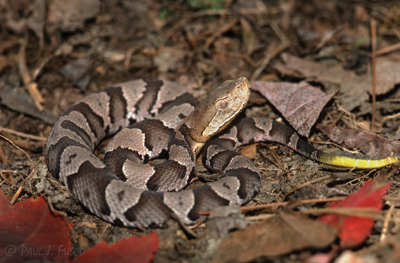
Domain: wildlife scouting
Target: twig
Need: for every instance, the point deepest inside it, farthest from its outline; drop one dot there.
(334, 122)
(359, 212)
(128, 57)
(358, 179)
(302, 202)
(272, 161)
(278, 32)
(219, 33)
(185, 228)
(6, 179)
(373, 40)
(392, 199)
(197, 224)
(15, 197)
(305, 184)
(329, 36)
(5, 138)
(27, 79)
(189, 17)
(276, 157)
(270, 55)
(387, 49)
(386, 223)
(386, 118)
(336, 145)
(63, 215)
(2, 155)
(23, 135)
(288, 171)
(54, 211)
(64, 49)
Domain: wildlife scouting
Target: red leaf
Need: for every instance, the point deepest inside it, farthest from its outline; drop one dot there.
(28, 231)
(353, 230)
(132, 249)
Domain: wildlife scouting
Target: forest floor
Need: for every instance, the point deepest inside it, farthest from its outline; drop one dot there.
(53, 53)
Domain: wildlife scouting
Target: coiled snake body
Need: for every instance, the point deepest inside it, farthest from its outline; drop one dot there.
(162, 118)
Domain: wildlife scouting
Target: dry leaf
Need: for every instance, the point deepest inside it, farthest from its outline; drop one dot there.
(374, 145)
(300, 104)
(279, 235)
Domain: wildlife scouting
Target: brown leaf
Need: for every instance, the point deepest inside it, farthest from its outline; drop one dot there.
(249, 38)
(279, 235)
(34, 18)
(230, 66)
(20, 102)
(374, 145)
(354, 86)
(300, 104)
(250, 151)
(37, 19)
(387, 250)
(70, 15)
(170, 59)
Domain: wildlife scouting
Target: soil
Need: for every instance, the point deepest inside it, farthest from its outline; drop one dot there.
(64, 52)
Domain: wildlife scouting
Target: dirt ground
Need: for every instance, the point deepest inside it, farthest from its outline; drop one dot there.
(53, 53)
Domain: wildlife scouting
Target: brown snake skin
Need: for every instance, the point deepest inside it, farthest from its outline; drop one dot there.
(162, 120)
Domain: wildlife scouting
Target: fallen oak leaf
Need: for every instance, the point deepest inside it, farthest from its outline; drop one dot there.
(372, 144)
(276, 236)
(29, 231)
(356, 87)
(353, 230)
(132, 249)
(299, 103)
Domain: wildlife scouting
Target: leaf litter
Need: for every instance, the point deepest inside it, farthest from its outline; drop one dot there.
(200, 48)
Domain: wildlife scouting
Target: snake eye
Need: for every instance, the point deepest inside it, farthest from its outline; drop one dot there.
(222, 104)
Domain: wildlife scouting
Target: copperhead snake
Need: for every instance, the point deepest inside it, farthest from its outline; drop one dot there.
(155, 118)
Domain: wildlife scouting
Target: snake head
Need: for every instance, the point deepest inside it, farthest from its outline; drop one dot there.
(218, 109)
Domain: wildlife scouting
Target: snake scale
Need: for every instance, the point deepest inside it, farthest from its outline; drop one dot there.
(159, 118)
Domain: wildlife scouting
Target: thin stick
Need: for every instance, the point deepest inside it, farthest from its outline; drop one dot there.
(348, 211)
(386, 118)
(329, 36)
(15, 197)
(387, 49)
(386, 223)
(189, 17)
(27, 79)
(219, 33)
(305, 184)
(302, 202)
(3, 156)
(54, 211)
(5, 138)
(23, 135)
(373, 42)
(5, 179)
(270, 55)
(185, 228)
